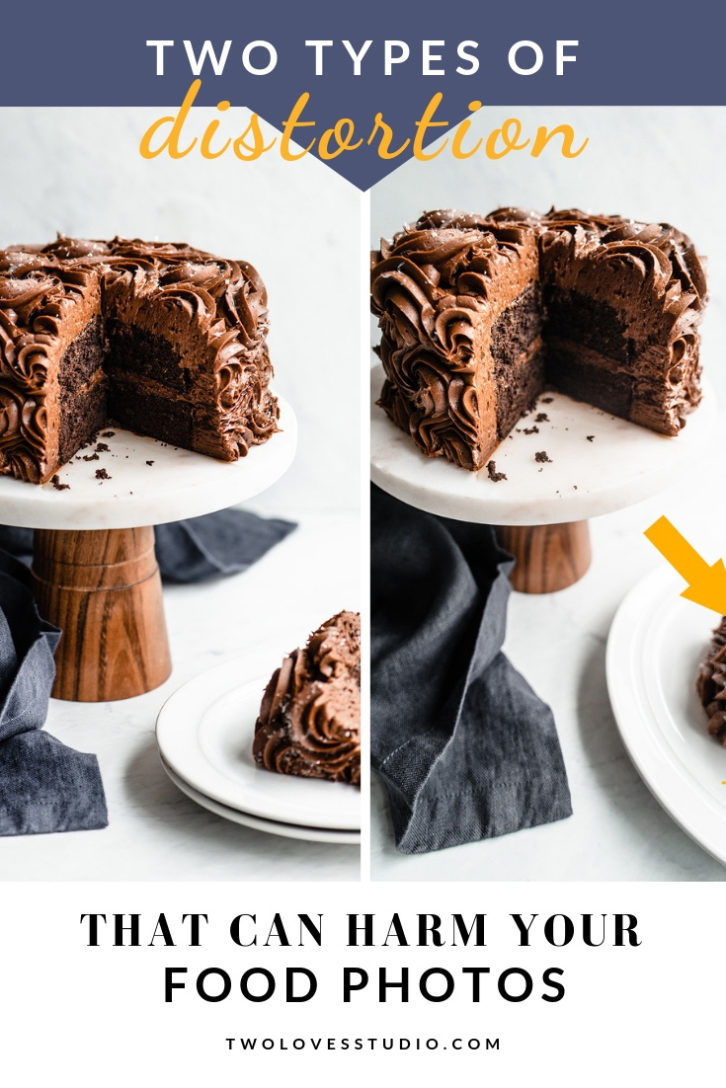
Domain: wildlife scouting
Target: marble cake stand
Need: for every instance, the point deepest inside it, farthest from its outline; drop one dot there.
(94, 570)
(541, 508)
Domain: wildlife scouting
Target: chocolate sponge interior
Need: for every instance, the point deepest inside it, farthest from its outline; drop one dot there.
(564, 340)
(116, 371)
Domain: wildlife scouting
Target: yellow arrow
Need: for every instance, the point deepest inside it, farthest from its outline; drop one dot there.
(706, 584)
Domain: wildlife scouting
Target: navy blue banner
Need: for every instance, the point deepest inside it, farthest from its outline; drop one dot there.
(363, 87)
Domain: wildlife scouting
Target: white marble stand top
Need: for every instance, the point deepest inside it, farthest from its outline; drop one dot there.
(176, 484)
(621, 464)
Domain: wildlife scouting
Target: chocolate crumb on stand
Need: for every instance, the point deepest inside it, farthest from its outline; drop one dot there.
(542, 458)
(495, 476)
(101, 474)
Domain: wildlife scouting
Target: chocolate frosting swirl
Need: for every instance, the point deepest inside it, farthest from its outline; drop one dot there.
(48, 293)
(309, 721)
(711, 684)
(435, 287)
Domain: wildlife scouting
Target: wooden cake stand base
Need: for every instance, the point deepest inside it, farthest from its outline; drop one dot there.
(94, 570)
(103, 589)
(547, 557)
(565, 462)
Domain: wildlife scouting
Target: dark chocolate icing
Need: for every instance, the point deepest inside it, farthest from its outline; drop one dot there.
(213, 310)
(439, 286)
(711, 684)
(309, 721)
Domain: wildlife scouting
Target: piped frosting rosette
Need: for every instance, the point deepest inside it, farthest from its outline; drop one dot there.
(309, 721)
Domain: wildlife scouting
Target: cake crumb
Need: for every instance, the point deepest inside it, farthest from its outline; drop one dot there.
(590, 437)
(55, 480)
(101, 447)
(107, 434)
(531, 430)
(149, 462)
(101, 474)
(541, 417)
(541, 458)
(91, 457)
(546, 400)
(495, 476)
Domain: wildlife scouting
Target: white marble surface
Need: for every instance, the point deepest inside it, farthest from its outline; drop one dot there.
(155, 832)
(618, 831)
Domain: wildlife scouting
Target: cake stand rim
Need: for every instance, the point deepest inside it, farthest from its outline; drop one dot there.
(216, 485)
(495, 508)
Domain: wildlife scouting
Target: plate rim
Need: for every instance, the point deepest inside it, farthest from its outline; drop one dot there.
(653, 761)
(298, 832)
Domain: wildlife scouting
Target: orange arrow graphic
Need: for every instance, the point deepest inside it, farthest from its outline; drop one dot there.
(706, 584)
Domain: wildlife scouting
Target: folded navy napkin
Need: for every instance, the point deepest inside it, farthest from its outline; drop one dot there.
(465, 748)
(45, 785)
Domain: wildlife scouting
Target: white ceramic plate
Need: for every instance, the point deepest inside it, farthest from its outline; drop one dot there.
(204, 732)
(656, 644)
(288, 831)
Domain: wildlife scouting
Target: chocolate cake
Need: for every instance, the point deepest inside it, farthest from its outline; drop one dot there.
(479, 314)
(711, 684)
(166, 340)
(309, 722)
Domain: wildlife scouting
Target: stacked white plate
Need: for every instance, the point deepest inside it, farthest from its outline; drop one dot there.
(205, 731)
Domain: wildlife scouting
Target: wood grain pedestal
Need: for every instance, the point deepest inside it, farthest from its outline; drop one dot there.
(103, 589)
(547, 557)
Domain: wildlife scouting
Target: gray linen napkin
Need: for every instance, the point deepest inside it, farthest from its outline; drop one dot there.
(465, 748)
(44, 785)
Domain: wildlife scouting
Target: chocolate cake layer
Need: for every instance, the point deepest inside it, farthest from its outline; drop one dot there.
(135, 350)
(176, 322)
(138, 409)
(601, 307)
(309, 721)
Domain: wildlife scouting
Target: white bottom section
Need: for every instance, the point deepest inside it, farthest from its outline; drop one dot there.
(74, 1014)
